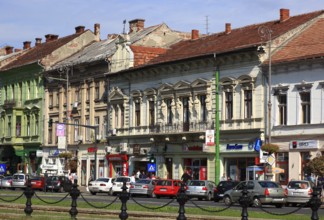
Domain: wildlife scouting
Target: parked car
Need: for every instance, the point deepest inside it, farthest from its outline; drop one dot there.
(143, 187)
(6, 182)
(167, 187)
(58, 184)
(222, 187)
(37, 182)
(118, 183)
(19, 180)
(201, 189)
(299, 192)
(101, 185)
(260, 192)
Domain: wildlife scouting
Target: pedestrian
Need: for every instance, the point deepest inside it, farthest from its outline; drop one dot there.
(75, 178)
(138, 174)
(223, 178)
(186, 177)
(132, 178)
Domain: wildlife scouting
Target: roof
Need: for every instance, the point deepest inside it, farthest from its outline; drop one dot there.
(103, 49)
(38, 52)
(237, 39)
(309, 44)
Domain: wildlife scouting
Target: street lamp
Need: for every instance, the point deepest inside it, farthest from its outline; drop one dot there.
(265, 33)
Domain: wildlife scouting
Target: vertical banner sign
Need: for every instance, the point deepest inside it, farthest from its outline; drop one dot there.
(210, 138)
(60, 130)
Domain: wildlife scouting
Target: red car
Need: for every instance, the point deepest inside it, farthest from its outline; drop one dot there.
(37, 182)
(167, 187)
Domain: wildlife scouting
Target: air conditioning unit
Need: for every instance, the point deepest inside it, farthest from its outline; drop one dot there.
(108, 149)
(123, 147)
(113, 132)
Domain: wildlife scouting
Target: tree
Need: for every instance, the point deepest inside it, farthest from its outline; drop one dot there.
(270, 148)
(316, 166)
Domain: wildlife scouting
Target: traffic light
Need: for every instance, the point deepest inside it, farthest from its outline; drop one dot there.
(50, 123)
(152, 159)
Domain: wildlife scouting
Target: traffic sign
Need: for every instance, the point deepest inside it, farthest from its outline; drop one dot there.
(270, 159)
(151, 167)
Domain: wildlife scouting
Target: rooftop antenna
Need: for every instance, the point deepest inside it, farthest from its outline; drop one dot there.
(207, 25)
(124, 22)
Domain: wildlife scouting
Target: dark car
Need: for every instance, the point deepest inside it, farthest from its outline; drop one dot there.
(222, 187)
(58, 184)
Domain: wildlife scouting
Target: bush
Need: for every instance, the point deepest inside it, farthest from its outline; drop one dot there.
(270, 148)
(66, 155)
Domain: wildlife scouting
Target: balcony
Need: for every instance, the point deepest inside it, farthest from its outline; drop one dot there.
(9, 103)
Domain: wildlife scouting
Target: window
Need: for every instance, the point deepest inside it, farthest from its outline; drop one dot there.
(137, 113)
(28, 125)
(50, 134)
(76, 130)
(9, 126)
(13, 92)
(88, 93)
(87, 130)
(57, 99)
(97, 123)
(97, 90)
(18, 126)
(282, 107)
(116, 116)
(76, 96)
(185, 102)
(247, 103)
(305, 107)
(169, 111)
(228, 105)
(151, 113)
(122, 112)
(36, 124)
(50, 99)
(28, 90)
(203, 108)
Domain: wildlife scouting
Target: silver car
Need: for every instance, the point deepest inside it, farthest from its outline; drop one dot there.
(201, 189)
(19, 180)
(260, 192)
(143, 187)
(299, 192)
(101, 185)
(6, 182)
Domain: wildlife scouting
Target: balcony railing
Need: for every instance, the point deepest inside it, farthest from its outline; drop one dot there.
(165, 128)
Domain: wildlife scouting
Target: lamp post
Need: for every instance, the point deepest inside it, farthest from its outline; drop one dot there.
(265, 33)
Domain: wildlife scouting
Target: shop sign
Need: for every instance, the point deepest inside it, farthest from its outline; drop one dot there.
(55, 152)
(39, 153)
(305, 144)
(61, 142)
(234, 147)
(136, 149)
(60, 130)
(210, 138)
(92, 149)
(206, 148)
(49, 167)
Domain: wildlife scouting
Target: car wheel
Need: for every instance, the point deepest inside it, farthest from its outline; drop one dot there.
(279, 205)
(256, 202)
(209, 197)
(93, 193)
(287, 204)
(199, 199)
(157, 196)
(227, 200)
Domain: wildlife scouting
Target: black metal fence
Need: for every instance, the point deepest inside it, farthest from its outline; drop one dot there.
(182, 198)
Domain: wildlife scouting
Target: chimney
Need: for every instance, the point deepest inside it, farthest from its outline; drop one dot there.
(136, 25)
(194, 34)
(284, 14)
(79, 29)
(38, 41)
(8, 50)
(228, 28)
(97, 31)
(27, 45)
(51, 37)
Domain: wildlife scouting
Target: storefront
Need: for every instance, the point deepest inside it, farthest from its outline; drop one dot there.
(236, 157)
(118, 164)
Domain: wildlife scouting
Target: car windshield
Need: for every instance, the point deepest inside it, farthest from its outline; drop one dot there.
(21, 177)
(164, 183)
(143, 181)
(103, 180)
(226, 184)
(122, 179)
(298, 185)
(266, 184)
(196, 183)
(54, 178)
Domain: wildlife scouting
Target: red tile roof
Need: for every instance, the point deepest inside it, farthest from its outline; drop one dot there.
(143, 55)
(38, 52)
(309, 44)
(239, 38)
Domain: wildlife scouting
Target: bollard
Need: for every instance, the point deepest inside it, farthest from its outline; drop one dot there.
(315, 203)
(244, 202)
(182, 198)
(124, 196)
(74, 193)
(29, 193)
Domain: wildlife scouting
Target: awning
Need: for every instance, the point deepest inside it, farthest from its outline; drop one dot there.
(277, 170)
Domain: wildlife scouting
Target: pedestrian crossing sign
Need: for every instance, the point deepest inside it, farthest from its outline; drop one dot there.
(151, 167)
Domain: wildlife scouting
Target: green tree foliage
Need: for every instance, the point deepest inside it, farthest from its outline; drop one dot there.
(271, 148)
(316, 166)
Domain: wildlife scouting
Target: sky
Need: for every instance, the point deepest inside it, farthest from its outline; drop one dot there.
(25, 20)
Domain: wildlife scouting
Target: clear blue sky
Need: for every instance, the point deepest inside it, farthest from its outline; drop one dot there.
(24, 20)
